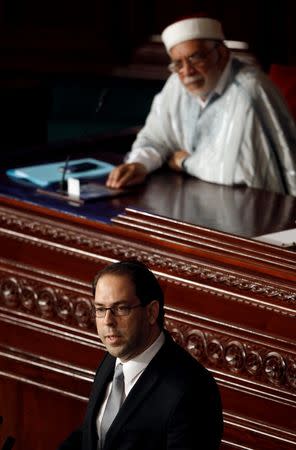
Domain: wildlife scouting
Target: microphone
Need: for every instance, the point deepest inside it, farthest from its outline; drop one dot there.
(63, 179)
(101, 99)
(9, 442)
(65, 167)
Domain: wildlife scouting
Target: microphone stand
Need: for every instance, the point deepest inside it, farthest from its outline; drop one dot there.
(63, 181)
(61, 193)
(9, 442)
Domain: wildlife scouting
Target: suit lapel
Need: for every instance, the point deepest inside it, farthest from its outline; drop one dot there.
(103, 377)
(138, 393)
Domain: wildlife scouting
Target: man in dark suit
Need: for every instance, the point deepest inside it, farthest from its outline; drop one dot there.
(167, 399)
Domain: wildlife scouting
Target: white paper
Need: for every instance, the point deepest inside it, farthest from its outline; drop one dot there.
(286, 238)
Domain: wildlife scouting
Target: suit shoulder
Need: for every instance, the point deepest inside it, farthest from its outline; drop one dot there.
(184, 366)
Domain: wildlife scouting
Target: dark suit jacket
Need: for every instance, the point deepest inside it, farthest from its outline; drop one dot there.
(175, 404)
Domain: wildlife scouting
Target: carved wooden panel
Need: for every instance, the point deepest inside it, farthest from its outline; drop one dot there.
(229, 301)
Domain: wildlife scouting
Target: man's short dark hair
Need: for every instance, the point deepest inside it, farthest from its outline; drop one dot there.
(146, 285)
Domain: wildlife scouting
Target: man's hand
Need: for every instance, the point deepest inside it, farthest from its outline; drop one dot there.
(176, 159)
(126, 175)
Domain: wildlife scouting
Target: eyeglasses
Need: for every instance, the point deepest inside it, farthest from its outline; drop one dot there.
(117, 310)
(198, 59)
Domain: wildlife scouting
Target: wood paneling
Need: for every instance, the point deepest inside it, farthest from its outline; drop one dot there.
(230, 302)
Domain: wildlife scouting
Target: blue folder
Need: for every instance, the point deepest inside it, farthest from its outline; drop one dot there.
(45, 174)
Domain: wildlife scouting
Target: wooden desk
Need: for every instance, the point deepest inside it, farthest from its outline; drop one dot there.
(230, 301)
(241, 211)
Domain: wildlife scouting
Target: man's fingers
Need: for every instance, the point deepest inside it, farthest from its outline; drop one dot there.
(119, 176)
(126, 175)
(115, 175)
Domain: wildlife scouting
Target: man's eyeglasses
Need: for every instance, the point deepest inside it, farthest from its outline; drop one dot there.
(117, 310)
(198, 59)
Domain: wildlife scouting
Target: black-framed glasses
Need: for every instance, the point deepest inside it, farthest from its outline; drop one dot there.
(117, 310)
(198, 59)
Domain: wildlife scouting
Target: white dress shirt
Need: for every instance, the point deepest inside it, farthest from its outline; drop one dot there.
(132, 370)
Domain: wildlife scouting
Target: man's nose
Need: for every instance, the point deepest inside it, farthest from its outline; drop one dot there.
(109, 317)
(188, 68)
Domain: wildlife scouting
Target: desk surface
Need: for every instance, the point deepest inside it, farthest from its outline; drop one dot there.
(241, 211)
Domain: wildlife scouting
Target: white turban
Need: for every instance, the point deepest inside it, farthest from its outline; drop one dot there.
(192, 28)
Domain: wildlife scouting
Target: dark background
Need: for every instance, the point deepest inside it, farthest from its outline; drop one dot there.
(56, 57)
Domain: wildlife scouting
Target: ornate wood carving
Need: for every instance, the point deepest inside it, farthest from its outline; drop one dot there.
(216, 350)
(189, 271)
(46, 302)
(224, 352)
(234, 318)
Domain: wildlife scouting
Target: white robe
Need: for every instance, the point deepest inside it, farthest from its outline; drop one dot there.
(244, 135)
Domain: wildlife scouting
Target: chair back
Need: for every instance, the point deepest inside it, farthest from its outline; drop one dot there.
(284, 77)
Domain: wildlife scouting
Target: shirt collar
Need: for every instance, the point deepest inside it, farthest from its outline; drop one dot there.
(133, 367)
(220, 86)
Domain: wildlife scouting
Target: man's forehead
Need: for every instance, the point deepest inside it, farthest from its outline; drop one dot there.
(190, 46)
(109, 280)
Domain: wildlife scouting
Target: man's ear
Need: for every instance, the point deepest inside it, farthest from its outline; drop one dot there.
(224, 54)
(153, 312)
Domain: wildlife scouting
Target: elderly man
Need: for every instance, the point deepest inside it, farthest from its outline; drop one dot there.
(216, 118)
(148, 393)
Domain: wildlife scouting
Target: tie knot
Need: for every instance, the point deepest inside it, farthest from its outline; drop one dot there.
(118, 373)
